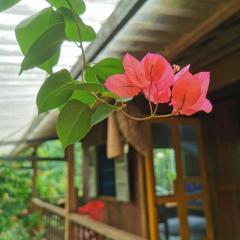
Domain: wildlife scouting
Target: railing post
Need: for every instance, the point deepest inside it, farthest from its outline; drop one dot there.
(71, 198)
(34, 177)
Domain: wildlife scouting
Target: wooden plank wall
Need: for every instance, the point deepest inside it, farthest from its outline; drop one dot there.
(222, 150)
(130, 216)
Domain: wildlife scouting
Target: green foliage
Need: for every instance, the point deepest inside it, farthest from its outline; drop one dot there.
(84, 96)
(5, 4)
(15, 192)
(44, 48)
(73, 122)
(77, 5)
(40, 38)
(90, 87)
(53, 92)
(74, 25)
(31, 29)
(101, 113)
(103, 69)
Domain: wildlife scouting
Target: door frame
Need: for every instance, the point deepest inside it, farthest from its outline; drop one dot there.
(181, 197)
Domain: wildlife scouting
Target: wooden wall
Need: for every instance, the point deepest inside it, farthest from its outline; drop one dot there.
(222, 150)
(130, 216)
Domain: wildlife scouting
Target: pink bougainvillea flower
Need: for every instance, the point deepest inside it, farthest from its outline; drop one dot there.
(189, 92)
(159, 75)
(134, 71)
(153, 75)
(121, 86)
(131, 82)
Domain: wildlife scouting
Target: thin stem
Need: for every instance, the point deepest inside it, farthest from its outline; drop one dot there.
(146, 118)
(149, 95)
(80, 36)
(98, 98)
(150, 106)
(155, 111)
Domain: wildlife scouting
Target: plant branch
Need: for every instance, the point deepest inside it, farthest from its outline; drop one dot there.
(146, 118)
(79, 35)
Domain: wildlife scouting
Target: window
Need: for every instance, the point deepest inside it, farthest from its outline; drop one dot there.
(106, 171)
(108, 177)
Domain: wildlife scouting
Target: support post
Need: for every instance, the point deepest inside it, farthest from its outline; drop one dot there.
(71, 198)
(150, 190)
(34, 177)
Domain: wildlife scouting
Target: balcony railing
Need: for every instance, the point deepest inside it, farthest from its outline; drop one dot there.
(84, 228)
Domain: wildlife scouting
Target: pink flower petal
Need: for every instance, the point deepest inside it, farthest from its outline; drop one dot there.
(189, 93)
(159, 74)
(207, 106)
(134, 71)
(121, 86)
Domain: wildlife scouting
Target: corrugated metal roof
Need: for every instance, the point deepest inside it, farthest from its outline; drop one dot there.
(18, 94)
(169, 27)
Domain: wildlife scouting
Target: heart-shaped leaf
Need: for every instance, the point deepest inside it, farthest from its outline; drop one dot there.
(45, 47)
(53, 93)
(74, 24)
(78, 5)
(101, 113)
(5, 4)
(73, 122)
(30, 29)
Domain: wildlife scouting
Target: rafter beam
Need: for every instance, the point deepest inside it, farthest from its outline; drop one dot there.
(222, 13)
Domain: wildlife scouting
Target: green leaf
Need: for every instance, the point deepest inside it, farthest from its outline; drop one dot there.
(84, 96)
(45, 47)
(5, 4)
(78, 5)
(103, 69)
(73, 122)
(48, 65)
(101, 113)
(71, 28)
(53, 92)
(30, 30)
(90, 87)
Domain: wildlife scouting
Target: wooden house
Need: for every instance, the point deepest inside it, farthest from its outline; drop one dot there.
(178, 178)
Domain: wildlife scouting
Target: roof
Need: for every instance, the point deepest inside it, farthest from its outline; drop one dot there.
(171, 27)
(18, 94)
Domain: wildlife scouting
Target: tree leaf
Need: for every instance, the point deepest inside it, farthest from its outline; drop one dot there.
(78, 5)
(101, 113)
(50, 63)
(30, 29)
(73, 122)
(90, 87)
(84, 96)
(103, 69)
(71, 30)
(46, 46)
(53, 93)
(5, 4)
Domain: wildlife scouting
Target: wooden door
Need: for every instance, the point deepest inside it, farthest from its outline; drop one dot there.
(179, 179)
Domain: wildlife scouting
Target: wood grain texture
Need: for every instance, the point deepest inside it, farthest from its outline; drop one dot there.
(222, 141)
(131, 216)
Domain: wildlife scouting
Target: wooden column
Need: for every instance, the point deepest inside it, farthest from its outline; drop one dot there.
(71, 198)
(34, 177)
(150, 191)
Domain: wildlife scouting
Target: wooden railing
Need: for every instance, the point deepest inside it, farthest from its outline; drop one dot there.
(84, 227)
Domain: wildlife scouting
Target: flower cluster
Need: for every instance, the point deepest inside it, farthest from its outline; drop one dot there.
(158, 81)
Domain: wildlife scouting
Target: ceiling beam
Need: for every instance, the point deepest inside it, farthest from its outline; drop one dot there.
(120, 16)
(225, 10)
